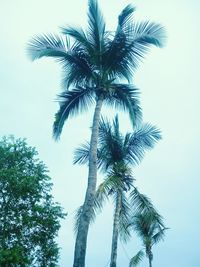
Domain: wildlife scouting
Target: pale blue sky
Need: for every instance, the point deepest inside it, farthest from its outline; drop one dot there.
(168, 79)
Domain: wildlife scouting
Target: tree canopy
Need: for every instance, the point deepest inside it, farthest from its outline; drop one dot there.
(29, 217)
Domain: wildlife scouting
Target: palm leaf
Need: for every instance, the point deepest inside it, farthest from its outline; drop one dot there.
(71, 103)
(96, 25)
(77, 69)
(147, 135)
(103, 192)
(125, 97)
(109, 185)
(143, 206)
(149, 33)
(125, 18)
(47, 46)
(124, 218)
(79, 37)
(105, 129)
(144, 138)
(141, 225)
(113, 55)
(113, 58)
(159, 235)
(137, 259)
(116, 131)
(81, 154)
(129, 47)
(140, 203)
(141, 37)
(110, 148)
(146, 224)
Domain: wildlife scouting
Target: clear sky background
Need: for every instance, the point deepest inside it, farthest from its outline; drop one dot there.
(168, 79)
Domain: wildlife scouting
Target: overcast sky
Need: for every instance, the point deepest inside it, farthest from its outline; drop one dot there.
(168, 79)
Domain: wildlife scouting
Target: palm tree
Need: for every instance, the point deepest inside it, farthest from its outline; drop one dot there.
(93, 65)
(115, 155)
(151, 230)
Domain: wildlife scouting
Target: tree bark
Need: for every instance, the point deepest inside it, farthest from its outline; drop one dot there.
(113, 261)
(81, 238)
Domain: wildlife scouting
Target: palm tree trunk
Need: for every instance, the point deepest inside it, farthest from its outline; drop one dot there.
(150, 256)
(113, 261)
(150, 262)
(81, 239)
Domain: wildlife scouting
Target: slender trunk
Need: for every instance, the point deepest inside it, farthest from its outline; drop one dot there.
(150, 262)
(113, 261)
(81, 238)
(150, 256)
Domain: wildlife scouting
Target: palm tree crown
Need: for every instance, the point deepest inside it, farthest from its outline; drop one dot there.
(95, 60)
(115, 148)
(150, 228)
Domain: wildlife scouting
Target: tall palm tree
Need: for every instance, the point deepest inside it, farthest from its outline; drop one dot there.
(93, 65)
(115, 155)
(151, 230)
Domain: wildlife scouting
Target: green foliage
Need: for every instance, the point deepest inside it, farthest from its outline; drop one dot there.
(114, 147)
(95, 61)
(149, 226)
(115, 155)
(29, 218)
(136, 259)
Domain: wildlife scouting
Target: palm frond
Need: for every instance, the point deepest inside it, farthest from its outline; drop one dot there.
(77, 70)
(149, 33)
(141, 224)
(129, 47)
(144, 138)
(147, 224)
(47, 45)
(79, 37)
(105, 129)
(113, 56)
(71, 103)
(81, 154)
(110, 148)
(96, 29)
(102, 193)
(125, 97)
(148, 135)
(137, 259)
(140, 203)
(124, 218)
(110, 185)
(140, 38)
(115, 63)
(159, 235)
(125, 18)
(116, 127)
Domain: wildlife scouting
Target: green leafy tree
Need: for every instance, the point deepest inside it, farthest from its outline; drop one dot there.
(29, 218)
(116, 153)
(150, 228)
(95, 63)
